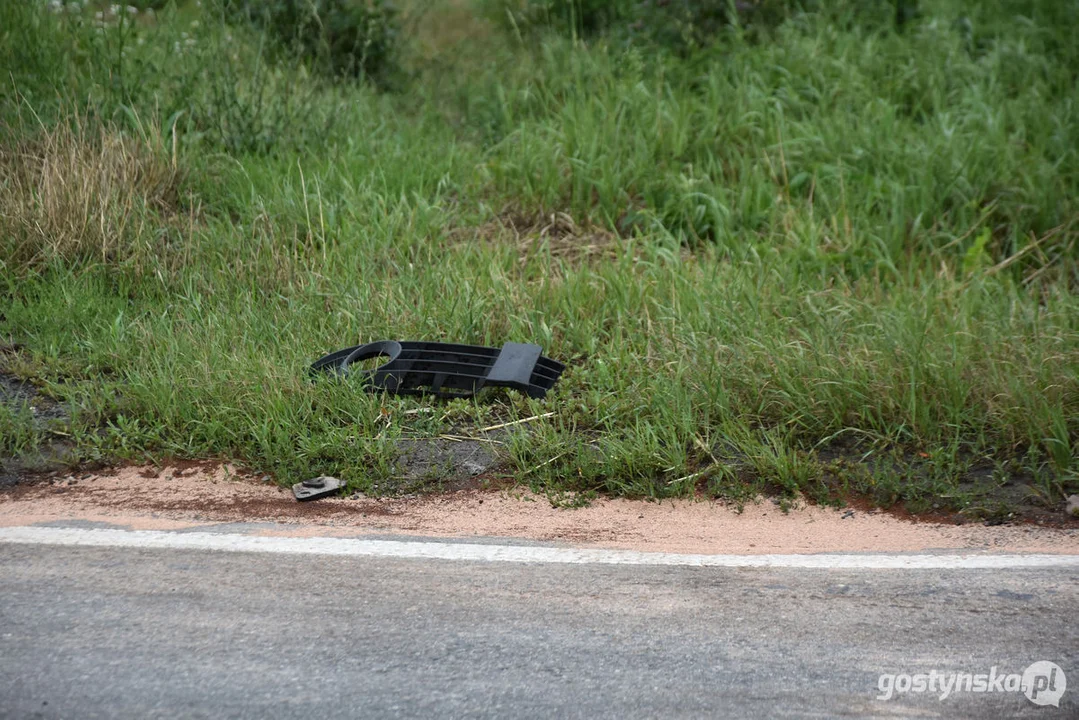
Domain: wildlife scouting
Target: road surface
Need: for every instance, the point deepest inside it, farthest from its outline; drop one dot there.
(125, 627)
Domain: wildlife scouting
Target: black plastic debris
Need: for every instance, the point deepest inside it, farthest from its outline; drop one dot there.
(447, 370)
(315, 488)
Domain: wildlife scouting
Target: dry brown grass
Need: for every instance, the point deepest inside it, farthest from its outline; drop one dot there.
(77, 194)
(555, 233)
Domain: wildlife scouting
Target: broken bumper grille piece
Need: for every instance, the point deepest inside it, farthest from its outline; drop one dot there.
(447, 370)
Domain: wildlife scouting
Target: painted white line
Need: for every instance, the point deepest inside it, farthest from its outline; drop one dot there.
(355, 547)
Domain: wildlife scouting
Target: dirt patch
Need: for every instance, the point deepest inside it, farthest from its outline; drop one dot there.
(141, 497)
(50, 451)
(445, 463)
(15, 392)
(555, 232)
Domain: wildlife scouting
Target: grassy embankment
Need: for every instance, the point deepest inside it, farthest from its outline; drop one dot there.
(826, 257)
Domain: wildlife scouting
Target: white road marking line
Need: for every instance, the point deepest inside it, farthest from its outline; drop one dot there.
(356, 547)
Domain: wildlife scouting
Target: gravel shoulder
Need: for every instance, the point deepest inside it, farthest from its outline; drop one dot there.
(207, 495)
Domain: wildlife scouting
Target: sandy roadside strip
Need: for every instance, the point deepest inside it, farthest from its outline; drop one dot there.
(147, 498)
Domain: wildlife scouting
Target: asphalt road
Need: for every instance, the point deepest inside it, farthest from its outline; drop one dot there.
(93, 632)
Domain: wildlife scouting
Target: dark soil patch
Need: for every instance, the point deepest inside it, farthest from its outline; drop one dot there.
(180, 468)
(979, 494)
(445, 463)
(16, 392)
(286, 507)
(53, 452)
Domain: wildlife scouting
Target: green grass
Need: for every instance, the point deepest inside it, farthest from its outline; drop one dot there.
(834, 259)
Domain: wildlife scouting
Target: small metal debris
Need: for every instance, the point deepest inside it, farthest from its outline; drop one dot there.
(316, 488)
(848, 514)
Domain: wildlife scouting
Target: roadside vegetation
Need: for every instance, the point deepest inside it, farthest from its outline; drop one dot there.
(800, 248)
